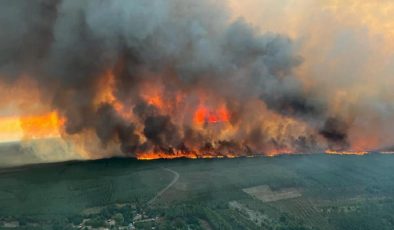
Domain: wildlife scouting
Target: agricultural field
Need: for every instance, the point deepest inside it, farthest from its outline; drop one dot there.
(265, 193)
(286, 192)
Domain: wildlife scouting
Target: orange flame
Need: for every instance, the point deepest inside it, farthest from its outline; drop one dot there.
(188, 155)
(280, 151)
(205, 115)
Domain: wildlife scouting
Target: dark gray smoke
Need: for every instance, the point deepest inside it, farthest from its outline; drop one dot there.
(67, 46)
(335, 131)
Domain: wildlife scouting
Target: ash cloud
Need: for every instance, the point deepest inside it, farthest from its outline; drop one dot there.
(67, 46)
(26, 35)
(161, 132)
(335, 131)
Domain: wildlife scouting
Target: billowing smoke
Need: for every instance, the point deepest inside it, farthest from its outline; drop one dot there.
(166, 76)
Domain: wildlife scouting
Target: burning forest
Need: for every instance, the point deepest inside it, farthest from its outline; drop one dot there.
(166, 79)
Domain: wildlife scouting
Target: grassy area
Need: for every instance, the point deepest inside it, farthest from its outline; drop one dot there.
(337, 192)
(69, 188)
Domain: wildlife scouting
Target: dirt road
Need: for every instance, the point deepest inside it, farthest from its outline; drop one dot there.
(174, 180)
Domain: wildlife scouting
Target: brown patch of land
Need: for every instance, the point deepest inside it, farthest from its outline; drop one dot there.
(265, 194)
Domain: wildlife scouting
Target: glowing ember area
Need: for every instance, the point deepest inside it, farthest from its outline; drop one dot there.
(189, 155)
(206, 115)
(276, 152)
(332, 152)
(155, 156)
(30, 127)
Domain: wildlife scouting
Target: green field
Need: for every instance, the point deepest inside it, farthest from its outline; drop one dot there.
(332, 192)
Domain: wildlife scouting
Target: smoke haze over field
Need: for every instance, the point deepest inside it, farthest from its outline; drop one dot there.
(191, 78)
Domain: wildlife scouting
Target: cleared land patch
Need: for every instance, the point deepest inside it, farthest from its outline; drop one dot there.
(265, 194)
(254, 216)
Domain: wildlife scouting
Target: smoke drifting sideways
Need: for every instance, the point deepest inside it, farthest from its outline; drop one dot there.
(164, 78)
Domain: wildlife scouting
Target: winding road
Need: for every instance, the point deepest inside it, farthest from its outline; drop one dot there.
(174, 180)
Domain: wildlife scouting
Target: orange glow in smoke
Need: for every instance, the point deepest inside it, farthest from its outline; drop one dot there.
(41, 126)
(15, 128)
(205, 115)
(152, 93)
(362, 143)
(106, 94)
(156, 101)
(10, 129)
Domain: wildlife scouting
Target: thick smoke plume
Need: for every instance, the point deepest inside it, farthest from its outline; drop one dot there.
(167, 76)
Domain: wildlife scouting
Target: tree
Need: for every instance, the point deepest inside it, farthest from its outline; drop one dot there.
(95, 222)
(118, 217)
(76, 220)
